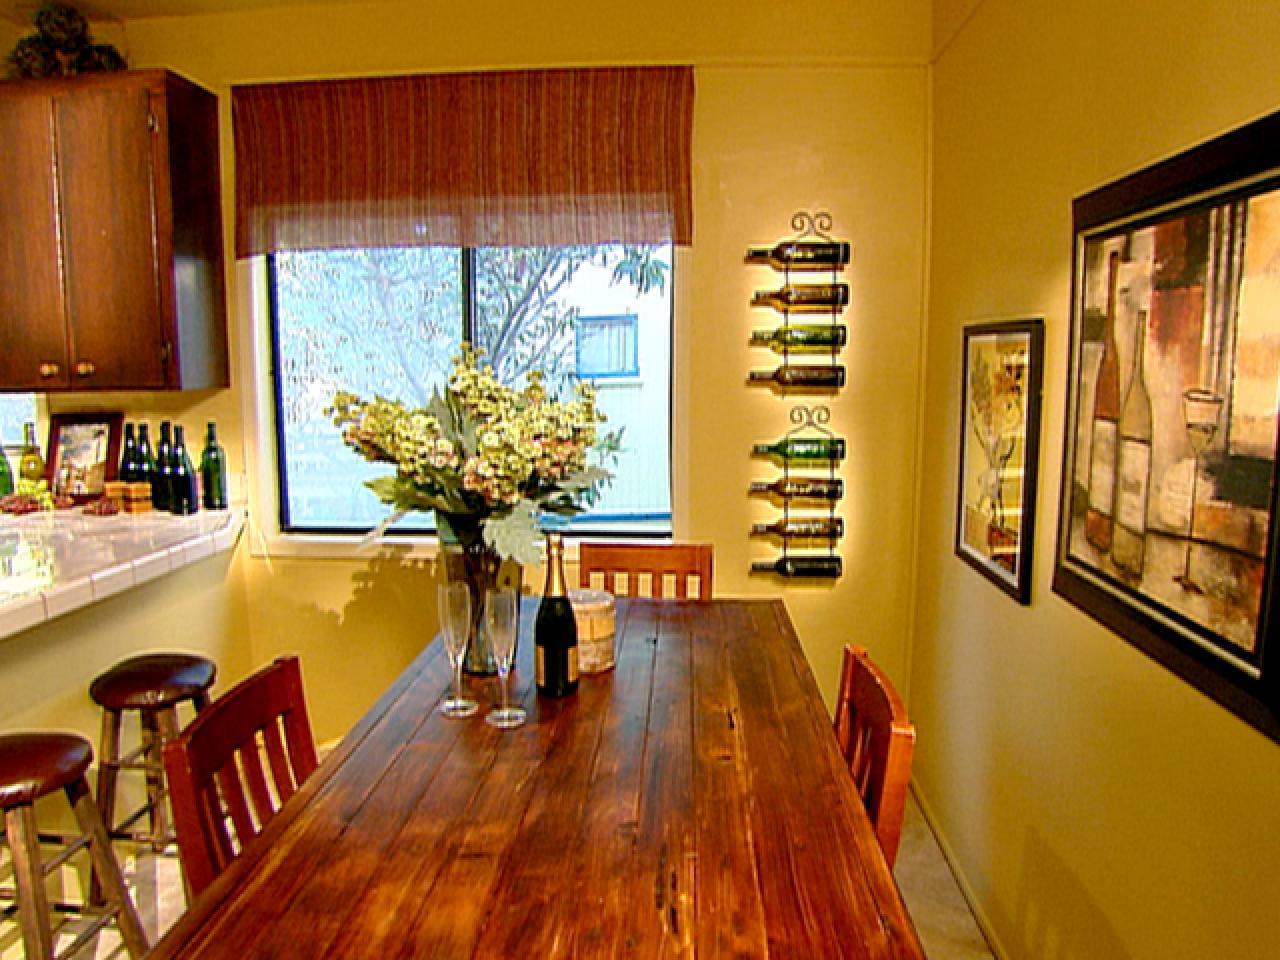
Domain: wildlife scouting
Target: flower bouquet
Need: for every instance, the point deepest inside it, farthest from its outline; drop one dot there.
(488, 460)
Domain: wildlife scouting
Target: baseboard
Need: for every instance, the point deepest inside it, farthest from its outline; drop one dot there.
(966, 891)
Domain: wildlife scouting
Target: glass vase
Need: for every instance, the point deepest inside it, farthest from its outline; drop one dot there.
(465, 557)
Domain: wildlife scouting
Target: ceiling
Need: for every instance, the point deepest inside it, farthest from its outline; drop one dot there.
(22, 11)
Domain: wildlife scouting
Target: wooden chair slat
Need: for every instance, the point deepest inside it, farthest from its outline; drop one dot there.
(255, 778)
(651, 562)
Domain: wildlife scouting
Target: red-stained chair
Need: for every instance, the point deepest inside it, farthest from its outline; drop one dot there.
(877, 741)
(634, 563)
(218, 786)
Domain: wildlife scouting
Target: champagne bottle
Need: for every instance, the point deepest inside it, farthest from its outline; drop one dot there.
(6, 474)
(802, 338)
(555, 631)
(31, 465)
(145, 461)
(128, 456)
(1106, 414)
(801, 375)
(1133, 469)
(184, 484)
(808, 528)
(161, 485)
(811, 566)
(801, 255)
(213, 471)
(802, 488)
(802, 448)
(804, 297)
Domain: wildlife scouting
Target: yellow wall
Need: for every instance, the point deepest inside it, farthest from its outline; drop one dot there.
(788, 117)
(1098, 806)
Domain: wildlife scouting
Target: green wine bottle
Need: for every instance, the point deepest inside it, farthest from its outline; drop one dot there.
(184, 487)
(804, 297)
(161, 485)
(555, 631)
(213, 471)
(806, 566)
(145, 461)
(128, 471)
(801, 375)
(808, 528)
(802, 338)
(802, 448)
(6, 474)
(31, 465)
(802, 488)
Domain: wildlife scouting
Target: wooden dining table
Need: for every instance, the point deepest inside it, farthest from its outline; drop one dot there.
(691, 802)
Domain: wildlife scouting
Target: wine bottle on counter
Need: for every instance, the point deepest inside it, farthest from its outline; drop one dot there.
(128, 457)
(801, 255)
(802, 488)
(804, 297)
(6, 473)
(555, 631)
(801, 375)
(161, 487)
(184, 485)
(809, 566)
(145, 459)
(802, 448)
(31, 465)
(808, 528)
(802, 338)
(213, 471)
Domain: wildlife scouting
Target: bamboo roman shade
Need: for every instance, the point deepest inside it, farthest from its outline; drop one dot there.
(527, 157)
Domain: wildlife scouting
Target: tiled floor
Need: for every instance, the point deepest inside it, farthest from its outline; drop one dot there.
(942, 916)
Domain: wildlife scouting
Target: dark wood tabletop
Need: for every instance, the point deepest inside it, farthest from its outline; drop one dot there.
(690, 802)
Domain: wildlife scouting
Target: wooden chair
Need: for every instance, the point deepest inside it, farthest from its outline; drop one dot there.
(877, 741)
(652, 562)
(218, 787)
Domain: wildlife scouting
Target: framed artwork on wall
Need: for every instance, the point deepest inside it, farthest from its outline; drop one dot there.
(84, 449)
(1167, 522)
(999, 451)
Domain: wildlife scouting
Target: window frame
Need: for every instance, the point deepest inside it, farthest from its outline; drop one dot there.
(265, 447)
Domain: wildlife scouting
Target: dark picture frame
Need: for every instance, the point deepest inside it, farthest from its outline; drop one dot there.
(1000, 450)
(84, 451)
(1167, 527)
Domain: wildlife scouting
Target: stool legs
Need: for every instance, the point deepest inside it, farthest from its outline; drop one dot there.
(107, 869)
(109, 767)
(33, 904)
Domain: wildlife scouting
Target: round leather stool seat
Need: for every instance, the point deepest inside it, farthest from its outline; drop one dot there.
(152, 681)
(33, 764)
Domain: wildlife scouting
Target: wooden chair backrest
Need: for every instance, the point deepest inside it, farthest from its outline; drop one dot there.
(877, 741)
(623, 567)
(218, 786)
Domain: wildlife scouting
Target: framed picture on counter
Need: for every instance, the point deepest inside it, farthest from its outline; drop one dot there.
(999, 451)
(1167, 527)
(84, 449)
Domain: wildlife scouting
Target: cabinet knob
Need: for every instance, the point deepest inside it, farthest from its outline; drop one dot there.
(48, 370)
(85, 369)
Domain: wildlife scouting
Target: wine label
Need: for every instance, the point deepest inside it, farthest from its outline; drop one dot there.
(539, 666)
(1102, 468)
(1131, 495)
(573, 664)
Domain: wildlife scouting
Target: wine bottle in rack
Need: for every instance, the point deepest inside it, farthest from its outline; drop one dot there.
(800, 566)
(806, 528)
(801, 375)
(802, 488)
(804, 297)
(802, 338)
(802, 448)
(802, 255)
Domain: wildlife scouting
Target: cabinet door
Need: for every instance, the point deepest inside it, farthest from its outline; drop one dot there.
(106, 193)
(33, 335)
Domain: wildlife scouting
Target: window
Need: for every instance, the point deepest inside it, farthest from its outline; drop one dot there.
(607, 346)
(389, 320)
(15, 410)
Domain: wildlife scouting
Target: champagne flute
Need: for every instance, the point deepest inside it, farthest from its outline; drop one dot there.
(500, 611)
(455, 622)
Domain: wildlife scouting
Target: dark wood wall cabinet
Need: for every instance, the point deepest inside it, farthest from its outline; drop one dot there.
(111, 270)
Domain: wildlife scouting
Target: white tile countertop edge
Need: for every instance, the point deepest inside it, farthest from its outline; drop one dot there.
(91, 558)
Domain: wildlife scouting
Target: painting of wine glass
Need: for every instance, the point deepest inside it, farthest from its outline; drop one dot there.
(1167, 527)
(999, 443)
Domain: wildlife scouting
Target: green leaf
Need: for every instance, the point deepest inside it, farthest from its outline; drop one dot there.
(515, 535)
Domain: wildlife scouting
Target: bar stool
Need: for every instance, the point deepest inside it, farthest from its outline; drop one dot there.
(153, 684)
(33, 765)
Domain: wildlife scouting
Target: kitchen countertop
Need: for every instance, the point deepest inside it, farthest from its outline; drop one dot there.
(53, 562)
